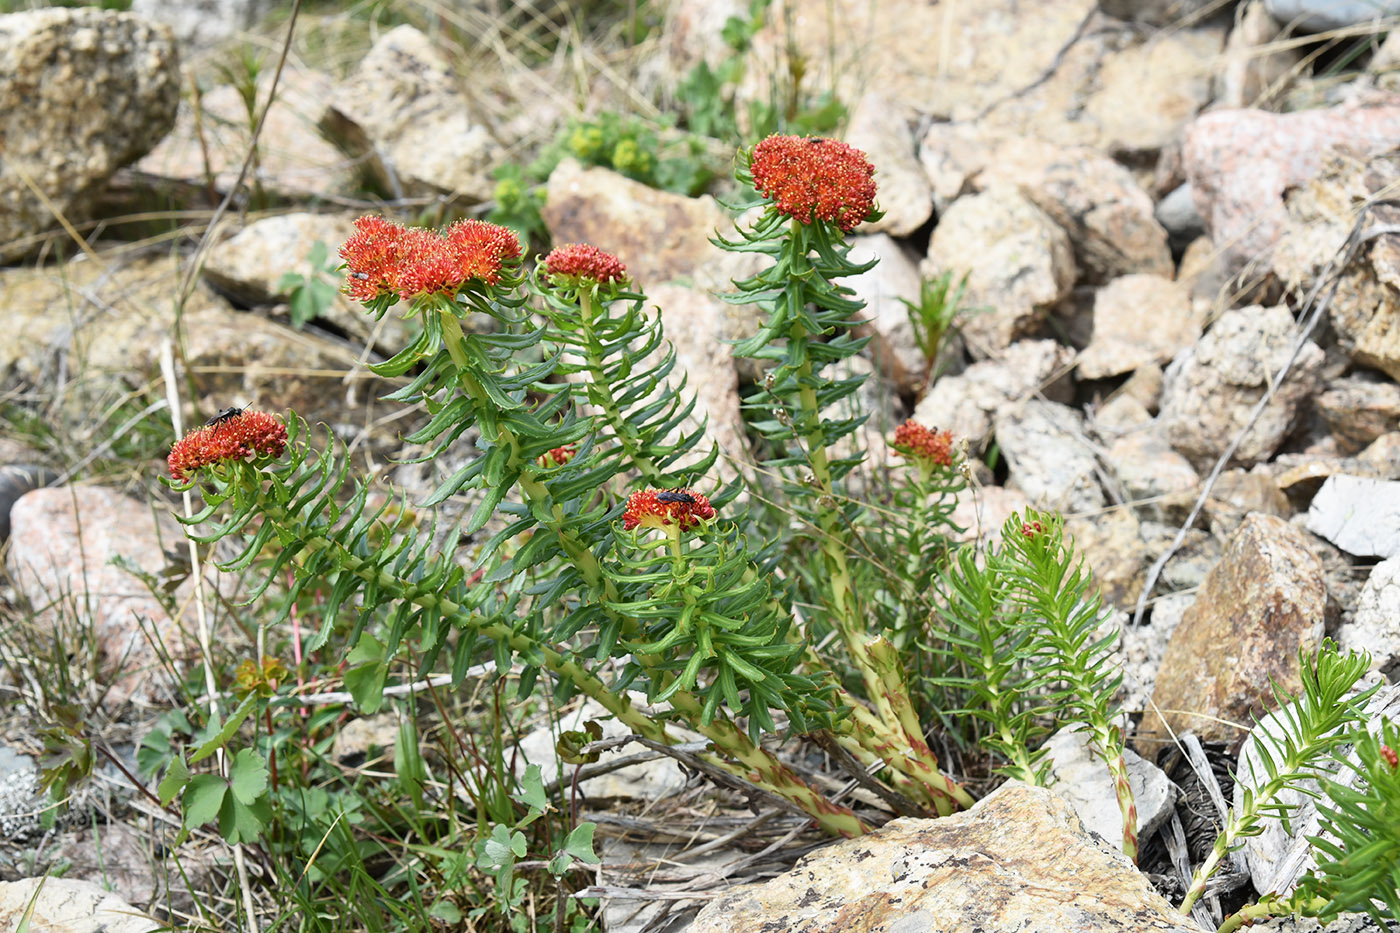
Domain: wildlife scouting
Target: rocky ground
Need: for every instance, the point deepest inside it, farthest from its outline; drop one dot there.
(1179, 217)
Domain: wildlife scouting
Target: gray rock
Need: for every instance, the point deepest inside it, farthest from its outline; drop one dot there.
(1019, 860)
(1144, 646)
(1051, 460)
(63, 904)
(205, 23)
(648, 780)
(1210, 390)
(83, 92)
(1359, 515)
(966, 403)
(1020, 263)
(1324, 15)
(1149, 469)
(1375, 625)
(1080, 777)
(1276, 858)
(21, 800)
(1177, 213)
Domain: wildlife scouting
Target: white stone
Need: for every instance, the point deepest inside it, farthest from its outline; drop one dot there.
(1080, 777)
(1375, 627)
(62, 904)
(1359, 515)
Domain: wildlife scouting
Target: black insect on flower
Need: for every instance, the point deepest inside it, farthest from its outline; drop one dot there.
(228, 414)
(675, 495)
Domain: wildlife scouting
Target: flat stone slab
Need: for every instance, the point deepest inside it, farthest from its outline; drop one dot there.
(1359, 515)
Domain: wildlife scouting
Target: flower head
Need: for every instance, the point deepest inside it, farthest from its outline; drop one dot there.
(575, 264)
(557, 456)
(658, 508)
(249, 435)
(1391, 758)
(385, 258)
(1029, 530)
(812, 178)
(917, 442)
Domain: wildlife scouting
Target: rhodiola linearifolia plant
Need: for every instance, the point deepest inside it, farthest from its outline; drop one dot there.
(613, 567)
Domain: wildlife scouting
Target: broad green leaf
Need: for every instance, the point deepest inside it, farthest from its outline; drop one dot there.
(176, 777)
(203, 797)
(248, 776)
(579, 844)
(532, 792)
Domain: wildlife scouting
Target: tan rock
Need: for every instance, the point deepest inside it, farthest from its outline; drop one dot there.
(880, 129)
(70, 906)
(966, 403)
(249, 267)
(1138, 319)
(1019, 860)
(694, 323)
(403, 110)
(982, 516)
(1114, 552)
(294, 160)
(1256, 608)
(82, 93)
(1256, 71)
(1108, 216)
(1020, 264)
(1359, 410)
(1210, 390)
(62, 544)
(659, 236)
(1147, 468)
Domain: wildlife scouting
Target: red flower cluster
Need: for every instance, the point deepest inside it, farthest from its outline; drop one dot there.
(1391, 758)
(657, 508)
(811, 178)
(578, 263)
(1031, 529)
(917, 442)
(247, 436)
(383, 257)
(558, 456)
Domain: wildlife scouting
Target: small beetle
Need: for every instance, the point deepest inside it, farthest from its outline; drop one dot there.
(228, 414)
(675, 495)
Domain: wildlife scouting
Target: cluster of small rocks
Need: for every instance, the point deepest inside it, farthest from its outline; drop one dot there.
(1147, 215)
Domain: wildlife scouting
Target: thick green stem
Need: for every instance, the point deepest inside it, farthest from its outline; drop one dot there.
(1127, 805)
(1271, 905)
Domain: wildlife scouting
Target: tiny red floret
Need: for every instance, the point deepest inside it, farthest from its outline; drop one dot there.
(813, 178)
(1391, 758)
(1031, 529)
(684, 508)
(558, 456)
(578, 263)
(251, 435)
(917, 442)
